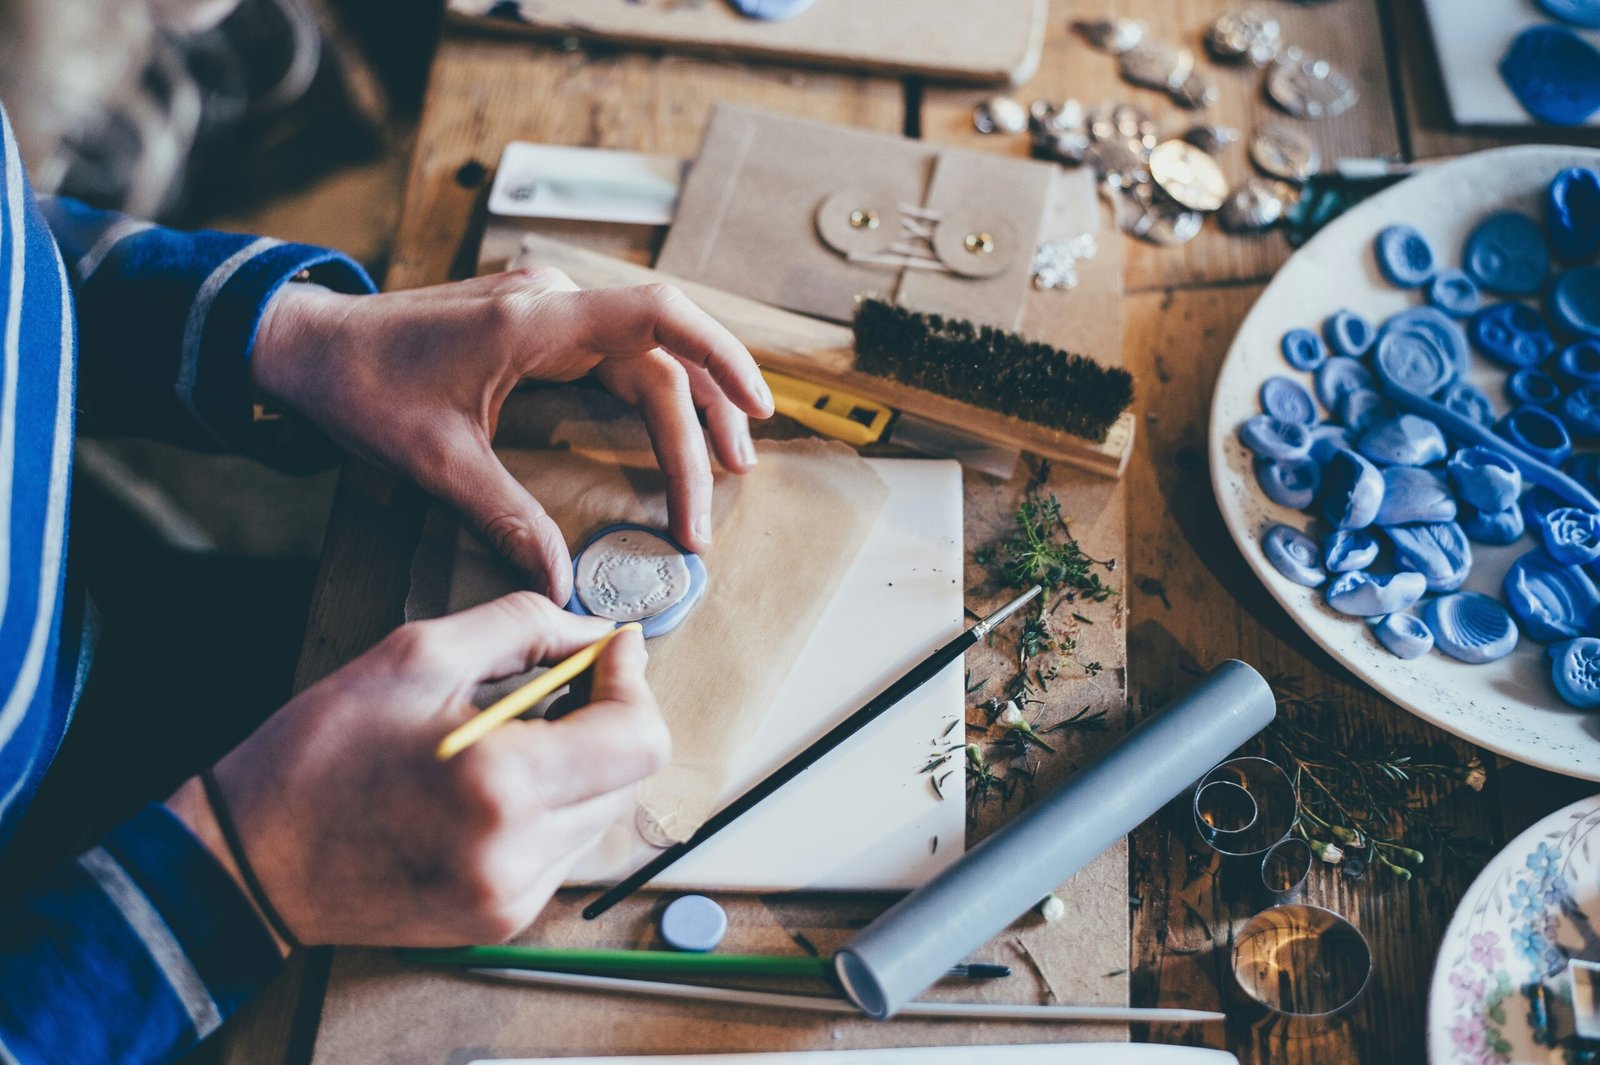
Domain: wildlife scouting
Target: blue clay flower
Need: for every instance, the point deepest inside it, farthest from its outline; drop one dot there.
(1575, 668)
(1571, 535)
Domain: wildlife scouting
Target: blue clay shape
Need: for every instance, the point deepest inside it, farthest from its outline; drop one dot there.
(1571, 535)
(1532, 386)
(1339, 376)
(1470, 627)
(1352, 489)
(1454, 293)
(1468, 400)
(1272, 439)
(1575, 301)
(1289, 482)
(1554, 74)
(1575, 669)
(1363, 407)
(1405, 256)
(1414, 496)
(1507, 253)
(1583, 467)
(1580, 362)
(1304, 350)
(1440, 552)
(1585, 13)
(1572, 213)
(1404, 441)
(1538, 432)
(1326, 438)
(1496, 528)
(1293, 554)
(1349, 550)
(666, 618)
(1436, 329)
(1549, 600)
(1403, 635)
(772, 10)
(1485, 478)
(1411, 359)
(1288, 400)
(1368, 595)
(1349, 334)
(1511, 334)
(1580, 412)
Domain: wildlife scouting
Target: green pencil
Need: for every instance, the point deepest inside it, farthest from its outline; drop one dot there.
(640, 962)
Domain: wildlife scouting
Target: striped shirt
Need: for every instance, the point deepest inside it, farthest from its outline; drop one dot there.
(139, 948)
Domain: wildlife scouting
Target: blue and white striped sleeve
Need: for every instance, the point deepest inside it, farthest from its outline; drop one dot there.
(130, 954)
(167, 321)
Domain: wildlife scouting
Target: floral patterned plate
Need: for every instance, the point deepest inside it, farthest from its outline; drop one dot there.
(1535, 905)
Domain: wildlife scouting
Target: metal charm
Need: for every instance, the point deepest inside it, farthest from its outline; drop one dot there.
(1124, 122)
(1245, 36)
(1284, 152)
(1113, 35)
(999, 114)
(1211, 139)
(1157, 65)
(1310, 88)
(1118, 165)
(1256, 206)
(1055, 262)
(1149, 214)
(1188, 175)
(1195, 92)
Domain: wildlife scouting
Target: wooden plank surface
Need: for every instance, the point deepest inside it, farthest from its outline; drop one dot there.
(1190, 600)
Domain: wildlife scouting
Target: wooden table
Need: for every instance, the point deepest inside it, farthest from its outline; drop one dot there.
(1190, 600)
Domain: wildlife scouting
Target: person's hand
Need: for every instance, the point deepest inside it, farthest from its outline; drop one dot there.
(359, 835)
(415, 381)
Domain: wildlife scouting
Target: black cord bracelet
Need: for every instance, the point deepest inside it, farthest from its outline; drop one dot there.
(230, 836)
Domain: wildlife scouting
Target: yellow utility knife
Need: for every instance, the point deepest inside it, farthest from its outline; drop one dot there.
(829, 411)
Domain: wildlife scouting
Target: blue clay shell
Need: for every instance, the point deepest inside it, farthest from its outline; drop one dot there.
(1363, 407)
(1454, 293)
(1440, 552)
(1580, 412)
(1585, 13)
(1494, 527)
(1326, 438)
(1304, 350)
(1369, 595)
(1538, 432)
(1571, 535)
(1436, 329)
(1405, 256)
(1293, 554)
(1550, 601)
(1572, 213)
(1272, 439)
(1507, 253)
(1349, 550)
(1413, 360)
(1404, 441)
(1580, 362)
(1288, 400)
(1339, 376)
(1289, 482)
(1348, 333)
(1470, 627)
(1575, 669)
(1485, 478)
(1575, 300)
(1414, 496)
(1554, 74)
(1531, 385)
(1511, 334)
(1404, 635)
(1468, 400)
(1352, 489)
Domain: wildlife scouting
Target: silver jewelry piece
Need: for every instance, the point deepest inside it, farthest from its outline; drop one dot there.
(1245, 36)
(1157, 65)
(1284, 152)
(1113, 35)
(1307, 87)
(1188, 175)
(999, 114)
(1256, 206)
(1055, 262)
(1211, 139)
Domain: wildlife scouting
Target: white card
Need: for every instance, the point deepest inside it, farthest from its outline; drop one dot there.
(588, 184)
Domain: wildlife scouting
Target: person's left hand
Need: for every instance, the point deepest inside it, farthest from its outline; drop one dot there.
(415, 381)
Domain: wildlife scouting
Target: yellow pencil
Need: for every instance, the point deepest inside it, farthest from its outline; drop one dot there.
(526, 697)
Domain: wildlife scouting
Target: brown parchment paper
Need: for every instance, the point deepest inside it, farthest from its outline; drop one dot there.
(783, 537)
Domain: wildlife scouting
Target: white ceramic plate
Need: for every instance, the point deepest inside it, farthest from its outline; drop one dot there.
(1534, 906)
(1508, 706)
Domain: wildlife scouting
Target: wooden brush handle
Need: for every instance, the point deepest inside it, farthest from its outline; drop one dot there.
(824, 353)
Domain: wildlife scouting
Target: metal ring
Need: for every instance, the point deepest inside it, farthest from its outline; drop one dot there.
(1276, 801)
(1223, 808)
(1299, 968)
(1284, 868)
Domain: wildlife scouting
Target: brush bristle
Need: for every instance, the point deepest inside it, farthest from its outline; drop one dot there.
(992, 368)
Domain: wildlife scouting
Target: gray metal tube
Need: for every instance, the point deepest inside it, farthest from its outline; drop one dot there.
(903, 952)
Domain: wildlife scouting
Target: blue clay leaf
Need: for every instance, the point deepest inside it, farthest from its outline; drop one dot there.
(1406, 440)
(1352, 490)
(1404, 635)
(1551, 601)
(1470, 627)
(1370, 595)
(1414, 496)
(1485, 478)
(1293, 554)
(1554, 74)
(1507, 253)
(1349, 550)
(1438, 551)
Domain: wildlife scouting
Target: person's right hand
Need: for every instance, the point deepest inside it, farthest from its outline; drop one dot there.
(359, 835)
